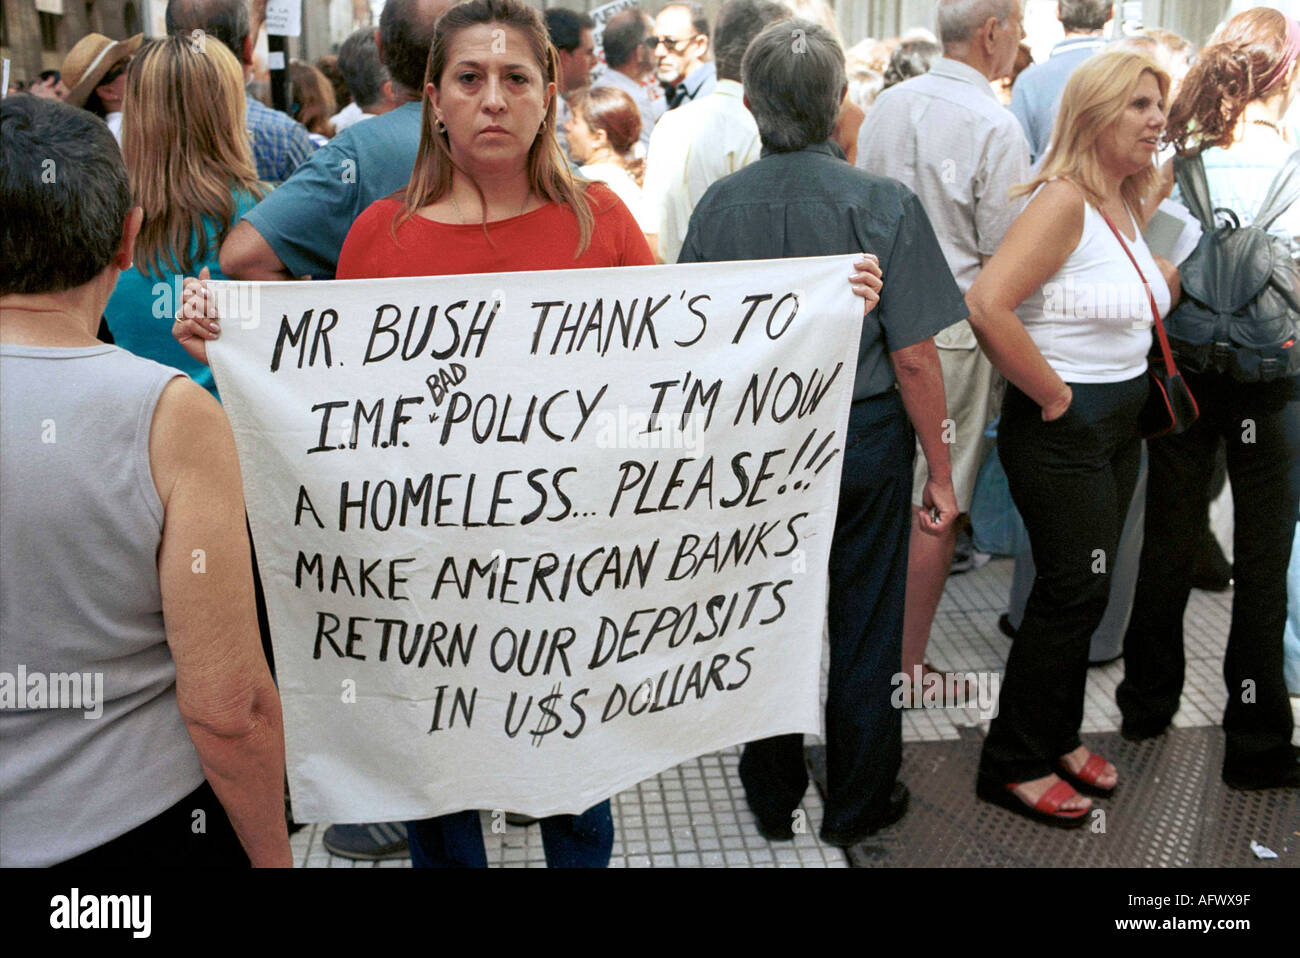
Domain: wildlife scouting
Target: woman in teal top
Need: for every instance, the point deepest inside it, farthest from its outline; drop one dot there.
(191, 168)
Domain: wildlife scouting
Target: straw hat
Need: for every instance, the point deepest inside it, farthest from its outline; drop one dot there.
(87, 63)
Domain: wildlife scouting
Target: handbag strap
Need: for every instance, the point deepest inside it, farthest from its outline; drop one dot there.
(1165, 351)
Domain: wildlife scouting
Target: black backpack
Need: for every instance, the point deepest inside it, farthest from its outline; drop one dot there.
(1240, 309)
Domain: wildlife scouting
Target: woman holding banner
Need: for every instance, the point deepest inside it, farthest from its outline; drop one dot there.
(490, 192)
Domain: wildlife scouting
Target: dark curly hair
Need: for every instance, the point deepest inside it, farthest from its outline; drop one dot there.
(1247, 58)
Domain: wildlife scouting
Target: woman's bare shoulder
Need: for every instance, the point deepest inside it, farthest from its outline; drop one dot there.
(1060, 197)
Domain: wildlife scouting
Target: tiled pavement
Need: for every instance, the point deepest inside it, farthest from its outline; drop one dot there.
(695, 814)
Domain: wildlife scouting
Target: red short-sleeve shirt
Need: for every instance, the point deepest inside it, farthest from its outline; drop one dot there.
(544, 238)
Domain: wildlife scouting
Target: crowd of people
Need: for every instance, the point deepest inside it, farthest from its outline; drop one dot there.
(990, 198)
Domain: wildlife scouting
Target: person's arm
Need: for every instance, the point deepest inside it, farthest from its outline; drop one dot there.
(920, 382)
(246, 255)
(1037, 245)
(197, 320)
(223, 686)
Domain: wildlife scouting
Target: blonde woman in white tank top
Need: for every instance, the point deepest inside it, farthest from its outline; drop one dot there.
(1075, 360)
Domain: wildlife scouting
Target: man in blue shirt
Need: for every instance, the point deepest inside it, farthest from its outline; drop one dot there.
(280, 143)
(1038, 89)
(298, 230)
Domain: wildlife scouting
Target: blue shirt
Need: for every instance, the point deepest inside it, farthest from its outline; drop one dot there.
(702, 81)
(812, 203)
(1239, 179)
(306, 220)
(1038, 90)
(142, 309)
(280, 143)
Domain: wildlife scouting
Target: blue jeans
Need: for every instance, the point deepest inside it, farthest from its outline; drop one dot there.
(456, 840)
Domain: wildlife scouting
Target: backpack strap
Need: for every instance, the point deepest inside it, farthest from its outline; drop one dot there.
(1282, 192)
(1195, 189)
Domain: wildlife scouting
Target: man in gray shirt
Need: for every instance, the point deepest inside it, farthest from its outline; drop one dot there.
(1038, 89)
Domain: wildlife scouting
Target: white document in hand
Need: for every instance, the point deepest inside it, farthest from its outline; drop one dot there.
(1172, 232)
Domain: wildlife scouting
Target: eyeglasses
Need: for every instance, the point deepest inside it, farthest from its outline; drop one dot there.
(671, 45)
(114, 73)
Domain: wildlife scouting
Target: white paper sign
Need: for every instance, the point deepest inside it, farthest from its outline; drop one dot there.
(528, 539)
(283, 18)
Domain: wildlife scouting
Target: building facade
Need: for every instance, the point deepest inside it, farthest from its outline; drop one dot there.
(36, 35)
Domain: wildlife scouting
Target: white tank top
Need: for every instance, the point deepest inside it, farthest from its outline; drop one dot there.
(1092, 319)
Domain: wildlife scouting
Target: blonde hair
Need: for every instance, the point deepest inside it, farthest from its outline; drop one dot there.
(548, 170)
(1096, 96)
(185, 142)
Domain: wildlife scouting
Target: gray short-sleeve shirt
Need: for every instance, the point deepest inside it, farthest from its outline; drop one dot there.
(812, 203)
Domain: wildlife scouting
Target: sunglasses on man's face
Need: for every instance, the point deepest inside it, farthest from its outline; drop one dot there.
(671, 45)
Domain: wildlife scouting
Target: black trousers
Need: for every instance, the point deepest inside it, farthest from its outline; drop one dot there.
(868, 585)
(1260, 426)
(176, 838)
(1072, 480)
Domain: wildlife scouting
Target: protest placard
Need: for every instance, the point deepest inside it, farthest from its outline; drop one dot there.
(530, 538)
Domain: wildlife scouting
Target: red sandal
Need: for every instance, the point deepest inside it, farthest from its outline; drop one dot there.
(1085, 779)
(1046, 810)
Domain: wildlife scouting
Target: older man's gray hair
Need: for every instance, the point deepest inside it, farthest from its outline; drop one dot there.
(794, 80)
(1084, 15)
(959, 19)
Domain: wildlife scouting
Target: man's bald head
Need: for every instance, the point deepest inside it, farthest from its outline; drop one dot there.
(405, 36)
(227, 20)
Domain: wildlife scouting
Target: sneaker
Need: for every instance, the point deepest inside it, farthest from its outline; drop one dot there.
(367, 843)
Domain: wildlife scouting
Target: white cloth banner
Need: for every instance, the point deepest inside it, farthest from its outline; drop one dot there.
(528, 539)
